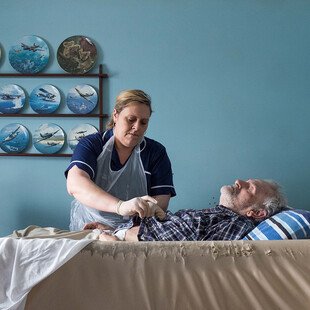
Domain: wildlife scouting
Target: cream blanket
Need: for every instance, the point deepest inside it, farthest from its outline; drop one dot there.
(30, 255)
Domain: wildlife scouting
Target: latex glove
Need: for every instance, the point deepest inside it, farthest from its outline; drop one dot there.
(138, 205)
(156, 210)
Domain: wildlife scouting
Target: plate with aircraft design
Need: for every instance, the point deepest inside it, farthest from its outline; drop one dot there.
(45, 99)
(82, 99)
(78, 132)
(12, 99)
(49, 138)
(29, 55)
(77, 54)
(14, 138)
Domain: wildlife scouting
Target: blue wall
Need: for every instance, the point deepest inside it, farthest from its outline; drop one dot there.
(229, 82)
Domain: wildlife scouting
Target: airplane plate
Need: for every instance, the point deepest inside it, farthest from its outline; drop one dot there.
(14, 138)
(45, 99)
(29, 55)
(82, 99)
(49, 138)
(12, 99)
(78, 132)
(77, 54)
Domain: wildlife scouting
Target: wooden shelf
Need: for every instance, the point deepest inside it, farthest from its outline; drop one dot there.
(54, 115)
(36, 154)
(100, 76)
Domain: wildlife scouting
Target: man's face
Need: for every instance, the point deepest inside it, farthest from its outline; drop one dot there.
(241, 196)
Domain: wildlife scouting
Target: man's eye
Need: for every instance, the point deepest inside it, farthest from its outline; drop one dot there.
(131, 120)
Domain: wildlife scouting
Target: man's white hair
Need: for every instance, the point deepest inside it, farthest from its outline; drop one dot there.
(275, 203)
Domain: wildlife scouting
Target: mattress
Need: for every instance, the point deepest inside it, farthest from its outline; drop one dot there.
(180, 275)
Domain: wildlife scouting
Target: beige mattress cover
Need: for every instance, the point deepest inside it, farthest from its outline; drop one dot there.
(180, 275)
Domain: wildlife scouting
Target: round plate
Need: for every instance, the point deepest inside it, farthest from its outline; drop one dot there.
(82, 99)
(29, 55)
(49, 138)
(77, 54)
(45, 99)
(12, 99)
(78, 132)
(14, 138)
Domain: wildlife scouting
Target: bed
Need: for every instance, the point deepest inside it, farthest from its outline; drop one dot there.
(180, 275)
(254, 273)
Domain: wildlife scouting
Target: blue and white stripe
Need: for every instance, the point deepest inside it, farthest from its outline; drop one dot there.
(292, 224)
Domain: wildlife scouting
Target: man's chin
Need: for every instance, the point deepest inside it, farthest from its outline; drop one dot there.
(226, 198)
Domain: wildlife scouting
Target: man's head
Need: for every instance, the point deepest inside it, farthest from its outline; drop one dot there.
(258, 199)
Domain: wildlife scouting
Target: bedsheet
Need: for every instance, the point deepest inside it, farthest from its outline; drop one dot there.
(25, 261)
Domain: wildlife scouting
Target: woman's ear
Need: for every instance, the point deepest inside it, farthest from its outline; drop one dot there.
(257, 214)
(115, 116)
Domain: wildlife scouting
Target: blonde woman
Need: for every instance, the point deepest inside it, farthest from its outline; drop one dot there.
(120, 173)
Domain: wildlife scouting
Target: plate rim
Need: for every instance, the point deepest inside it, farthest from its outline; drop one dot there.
(25, 130)
(20, 42)
(63, 134)
(74, 71)
(74, 90)
(23, 94)
(77, 126)
(41, 85)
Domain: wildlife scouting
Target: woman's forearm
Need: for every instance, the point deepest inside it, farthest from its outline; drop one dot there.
(82, 188)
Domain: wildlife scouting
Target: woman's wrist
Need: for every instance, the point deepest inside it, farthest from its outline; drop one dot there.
(117, 207)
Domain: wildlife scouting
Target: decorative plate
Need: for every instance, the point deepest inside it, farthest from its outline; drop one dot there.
(45, 99)
(14, 138)
(77, 54)
(49, 138)
(29, 55)
(78, 132)
(12, 99)
(82, 99)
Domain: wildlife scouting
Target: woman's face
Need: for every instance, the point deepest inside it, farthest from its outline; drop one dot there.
(130, 125)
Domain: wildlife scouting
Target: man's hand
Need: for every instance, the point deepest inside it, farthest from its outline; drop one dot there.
(107, 237)
(97, 225)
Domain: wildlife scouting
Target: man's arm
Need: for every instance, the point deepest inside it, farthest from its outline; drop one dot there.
(132, 234)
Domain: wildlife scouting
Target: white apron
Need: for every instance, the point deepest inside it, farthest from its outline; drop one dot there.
(127, 183)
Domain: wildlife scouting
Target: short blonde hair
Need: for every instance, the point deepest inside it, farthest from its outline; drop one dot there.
(125, 98)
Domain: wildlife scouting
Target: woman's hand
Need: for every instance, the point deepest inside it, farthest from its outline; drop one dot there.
(155, 210)
(143, 206)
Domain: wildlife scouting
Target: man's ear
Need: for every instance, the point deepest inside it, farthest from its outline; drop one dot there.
(257, 214)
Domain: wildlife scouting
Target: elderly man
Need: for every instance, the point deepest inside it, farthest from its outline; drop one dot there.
(241, 207)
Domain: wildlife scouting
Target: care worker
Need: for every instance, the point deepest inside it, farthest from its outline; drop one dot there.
(120, 173)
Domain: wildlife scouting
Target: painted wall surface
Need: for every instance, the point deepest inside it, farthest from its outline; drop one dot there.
(229, 82)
